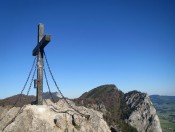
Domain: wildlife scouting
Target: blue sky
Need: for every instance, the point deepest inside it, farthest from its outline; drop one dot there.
(127, 43)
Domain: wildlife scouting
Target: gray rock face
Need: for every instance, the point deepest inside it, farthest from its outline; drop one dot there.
(53, 117)
(143, 116)
(56, 96)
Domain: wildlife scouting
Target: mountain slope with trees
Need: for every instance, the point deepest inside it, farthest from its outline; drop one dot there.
(111, 101)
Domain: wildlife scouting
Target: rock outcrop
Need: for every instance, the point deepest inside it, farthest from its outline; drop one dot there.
(143, 115)
(132, 111)
(53, 117)
(109, 100)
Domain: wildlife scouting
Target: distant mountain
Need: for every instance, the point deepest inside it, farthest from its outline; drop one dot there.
(109, 100)
(123, 112)
(55, 96)
(23, 100)
(162, 99)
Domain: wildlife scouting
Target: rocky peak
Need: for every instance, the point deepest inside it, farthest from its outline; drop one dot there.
(109, 100)
(123, 112)
(53, 117)
(99, 91)
(55, 95)
(143, 115)
(134, 99)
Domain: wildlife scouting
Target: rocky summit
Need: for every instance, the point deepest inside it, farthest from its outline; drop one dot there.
(53, 117)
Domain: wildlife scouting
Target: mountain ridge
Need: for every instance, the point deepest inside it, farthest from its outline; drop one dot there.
(120, 110)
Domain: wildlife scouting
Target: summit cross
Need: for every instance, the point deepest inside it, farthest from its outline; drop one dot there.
(43, 40)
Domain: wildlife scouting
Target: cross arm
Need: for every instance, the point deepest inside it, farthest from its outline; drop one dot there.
(45, 40)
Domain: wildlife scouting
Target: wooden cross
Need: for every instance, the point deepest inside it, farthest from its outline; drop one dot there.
(43, 40)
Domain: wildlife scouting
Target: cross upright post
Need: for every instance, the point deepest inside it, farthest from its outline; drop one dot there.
(43, 40)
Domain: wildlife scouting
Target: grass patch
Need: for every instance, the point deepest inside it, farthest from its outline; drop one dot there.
(77, 127)
(167, 126)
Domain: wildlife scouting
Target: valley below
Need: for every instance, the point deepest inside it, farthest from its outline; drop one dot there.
(165, 107)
